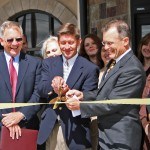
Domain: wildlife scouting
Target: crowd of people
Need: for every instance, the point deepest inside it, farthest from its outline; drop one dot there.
(88, 69)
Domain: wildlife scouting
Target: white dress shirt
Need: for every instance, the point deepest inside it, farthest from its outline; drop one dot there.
(15, 61)
(67, 66)
(123, 55)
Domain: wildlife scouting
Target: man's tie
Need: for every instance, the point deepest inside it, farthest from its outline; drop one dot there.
(67, 64)
(13, 79)
(66, 70)
(109, 66)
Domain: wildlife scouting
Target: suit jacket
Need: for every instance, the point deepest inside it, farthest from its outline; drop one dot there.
(84, 77)
(119, 125)
(29, 75)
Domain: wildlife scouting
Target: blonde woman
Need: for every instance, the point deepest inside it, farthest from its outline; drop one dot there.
(50, 47)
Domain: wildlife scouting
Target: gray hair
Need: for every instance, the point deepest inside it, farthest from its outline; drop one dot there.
(9, 24)
(121, 26)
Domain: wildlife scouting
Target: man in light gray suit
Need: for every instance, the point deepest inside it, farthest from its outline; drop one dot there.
(119, 125)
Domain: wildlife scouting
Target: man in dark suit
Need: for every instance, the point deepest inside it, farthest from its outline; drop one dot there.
(27, 72)
(119, 125)
(67, 70)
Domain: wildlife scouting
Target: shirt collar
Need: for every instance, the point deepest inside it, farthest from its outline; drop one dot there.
(123, 55)
(16, 58)
(71, 60)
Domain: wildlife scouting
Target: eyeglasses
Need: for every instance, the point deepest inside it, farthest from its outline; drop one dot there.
(19, 39)
(107, 43)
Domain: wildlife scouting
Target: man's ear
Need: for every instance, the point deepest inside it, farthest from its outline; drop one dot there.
(1, 41)
(126, 41)
(79, 41)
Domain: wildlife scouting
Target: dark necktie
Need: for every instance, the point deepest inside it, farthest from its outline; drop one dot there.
(13, 79)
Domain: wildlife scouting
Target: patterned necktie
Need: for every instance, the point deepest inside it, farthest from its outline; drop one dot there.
(112, 64)
(109, 66)
(13, 79)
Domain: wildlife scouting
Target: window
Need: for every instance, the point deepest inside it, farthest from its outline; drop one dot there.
(37, 26)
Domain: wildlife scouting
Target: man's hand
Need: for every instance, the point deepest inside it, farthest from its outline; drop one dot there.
(78, 94)
(73, 98)
(73, 104)
(12, 118)
(57, 83)
(15, 131)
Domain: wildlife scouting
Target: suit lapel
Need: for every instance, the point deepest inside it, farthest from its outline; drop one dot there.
(111, 73)
(23, 65)
(5, 73)
(75, 73)
(57, 67)
(119, 64)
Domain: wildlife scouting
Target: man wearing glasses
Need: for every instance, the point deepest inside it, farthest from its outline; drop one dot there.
(19, 75)
(119, 125)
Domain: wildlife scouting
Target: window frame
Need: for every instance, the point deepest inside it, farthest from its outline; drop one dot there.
(34, 32)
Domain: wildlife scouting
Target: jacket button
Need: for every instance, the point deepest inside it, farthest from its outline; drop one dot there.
(60, 108)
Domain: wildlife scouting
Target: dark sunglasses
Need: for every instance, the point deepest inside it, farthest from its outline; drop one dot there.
(12, 39)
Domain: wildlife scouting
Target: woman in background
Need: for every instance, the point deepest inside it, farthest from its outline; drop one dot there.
(50, 47)
(144, 57)
(90, 48)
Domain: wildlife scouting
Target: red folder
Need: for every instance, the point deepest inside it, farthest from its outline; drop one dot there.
(27, 141)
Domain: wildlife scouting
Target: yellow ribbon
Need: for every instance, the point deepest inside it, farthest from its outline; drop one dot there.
(132, 101)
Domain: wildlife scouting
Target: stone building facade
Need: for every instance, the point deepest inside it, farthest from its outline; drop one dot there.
(98, 11)
(101, 11)
(63, 10)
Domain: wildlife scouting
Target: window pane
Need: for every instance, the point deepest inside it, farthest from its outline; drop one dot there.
(28, 30)
(37, 26)
(27, 18)
(56, 26)
(42, 23)
(145, 29)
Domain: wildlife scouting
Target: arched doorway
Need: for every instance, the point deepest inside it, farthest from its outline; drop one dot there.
(37, 26)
